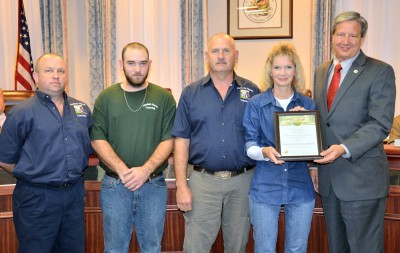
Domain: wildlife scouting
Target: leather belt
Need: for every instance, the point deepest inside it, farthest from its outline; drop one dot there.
(115, 175)
(225, 174)
(65, 185)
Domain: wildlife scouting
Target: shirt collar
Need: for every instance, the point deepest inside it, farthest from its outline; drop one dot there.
(269, 97)
(45, 98)
(208, 80)
(346, 64)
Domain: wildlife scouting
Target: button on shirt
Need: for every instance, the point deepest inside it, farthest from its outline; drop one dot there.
(275, 184)
(46, 147)
(213, 125)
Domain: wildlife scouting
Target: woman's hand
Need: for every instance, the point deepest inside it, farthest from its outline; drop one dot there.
(298, 108)
(272, 154)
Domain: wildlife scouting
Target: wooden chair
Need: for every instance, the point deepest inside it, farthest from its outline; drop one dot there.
(308, 93)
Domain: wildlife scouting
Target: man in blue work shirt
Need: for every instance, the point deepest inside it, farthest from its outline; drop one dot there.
(45, 145)
(208, 123)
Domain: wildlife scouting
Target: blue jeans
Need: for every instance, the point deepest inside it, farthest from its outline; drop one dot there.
(145, 208)
(264, 218)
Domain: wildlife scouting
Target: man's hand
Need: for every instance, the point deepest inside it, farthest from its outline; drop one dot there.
(7, 167)
(135, 177)
(272, 155)
(184, 198)
(331, 154)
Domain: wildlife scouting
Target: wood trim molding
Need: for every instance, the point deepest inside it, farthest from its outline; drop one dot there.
(6, 189)
(12, 97)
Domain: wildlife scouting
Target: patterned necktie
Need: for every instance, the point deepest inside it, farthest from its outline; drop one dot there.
(334, 86)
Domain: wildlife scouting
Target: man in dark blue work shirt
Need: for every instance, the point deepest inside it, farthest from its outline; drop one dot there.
(45, 144)
(209, 134)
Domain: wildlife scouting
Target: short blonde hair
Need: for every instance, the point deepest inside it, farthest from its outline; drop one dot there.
(135, 45)
(283, 49)
(39, 60)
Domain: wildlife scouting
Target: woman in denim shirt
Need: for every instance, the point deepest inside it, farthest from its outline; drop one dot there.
(277, 183)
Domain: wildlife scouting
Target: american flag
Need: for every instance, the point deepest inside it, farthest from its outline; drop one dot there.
(24, 65)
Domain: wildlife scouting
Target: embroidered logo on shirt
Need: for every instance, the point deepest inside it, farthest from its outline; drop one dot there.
(150, 106)
(80, 110)
(244, 95)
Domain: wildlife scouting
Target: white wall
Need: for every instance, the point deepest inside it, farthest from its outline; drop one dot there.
(382, 40)
(253, 53)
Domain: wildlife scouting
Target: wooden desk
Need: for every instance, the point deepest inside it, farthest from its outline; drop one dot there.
(174, 223)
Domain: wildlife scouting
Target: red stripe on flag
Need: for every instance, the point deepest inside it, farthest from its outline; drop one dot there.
(24, 65)
(22, 81)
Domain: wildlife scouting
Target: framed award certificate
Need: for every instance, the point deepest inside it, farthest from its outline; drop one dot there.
(298, 135)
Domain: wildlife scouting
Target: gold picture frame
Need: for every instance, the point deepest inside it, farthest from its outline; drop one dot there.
(260, 19)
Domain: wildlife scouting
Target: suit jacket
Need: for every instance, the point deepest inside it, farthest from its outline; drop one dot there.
(395, 132)
(360, 118)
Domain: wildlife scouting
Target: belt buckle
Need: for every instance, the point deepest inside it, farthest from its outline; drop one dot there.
(223, 174)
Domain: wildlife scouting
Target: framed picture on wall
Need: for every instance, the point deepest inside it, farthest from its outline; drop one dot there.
(260, 19)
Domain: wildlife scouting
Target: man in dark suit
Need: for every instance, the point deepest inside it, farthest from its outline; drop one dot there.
(353, 173)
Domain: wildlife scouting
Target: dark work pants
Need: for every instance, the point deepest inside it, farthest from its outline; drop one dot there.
(354, 226)
(49, 219)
